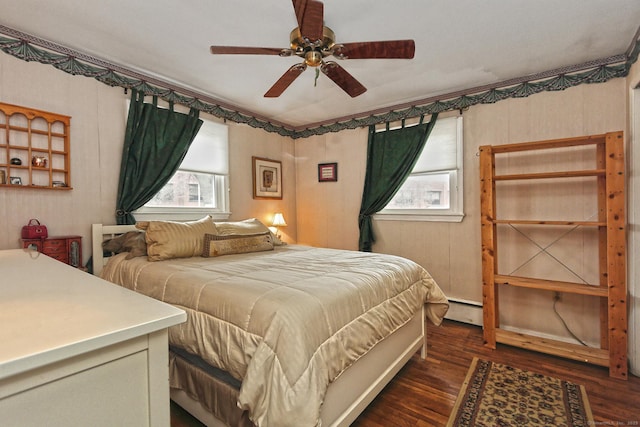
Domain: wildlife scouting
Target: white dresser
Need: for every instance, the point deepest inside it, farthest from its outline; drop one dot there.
(76, 350)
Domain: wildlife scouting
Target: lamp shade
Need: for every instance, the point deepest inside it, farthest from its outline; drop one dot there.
(278, 220)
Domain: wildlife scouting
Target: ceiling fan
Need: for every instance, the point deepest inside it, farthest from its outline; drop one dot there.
(314, 42)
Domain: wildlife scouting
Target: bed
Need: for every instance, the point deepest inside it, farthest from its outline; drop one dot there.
(280, 335)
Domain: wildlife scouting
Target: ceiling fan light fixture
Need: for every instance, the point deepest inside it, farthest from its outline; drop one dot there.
(314, 43)
(313, 58)
(298, 43)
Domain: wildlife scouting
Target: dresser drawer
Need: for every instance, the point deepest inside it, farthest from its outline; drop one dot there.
(63, 257)
(54, 246)
(67, 249)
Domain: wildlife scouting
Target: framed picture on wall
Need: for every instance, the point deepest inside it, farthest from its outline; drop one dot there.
(327, 172)
(267, 178)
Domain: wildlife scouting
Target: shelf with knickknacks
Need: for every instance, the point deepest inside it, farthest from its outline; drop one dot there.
(40, 135)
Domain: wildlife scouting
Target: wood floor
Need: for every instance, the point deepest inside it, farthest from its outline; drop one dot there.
(424, 391)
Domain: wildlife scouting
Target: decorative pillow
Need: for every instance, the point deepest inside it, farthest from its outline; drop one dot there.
(131, 241)
(234, 236)
(247, 227)
(168, 239)
(216, 245)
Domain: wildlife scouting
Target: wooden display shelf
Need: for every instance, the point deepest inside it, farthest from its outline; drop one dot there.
(548, 175)
(611, 229)
(551, 285)
(26, 133)
(35, 187)
(549, 144)
(548, 222)
(578, 352)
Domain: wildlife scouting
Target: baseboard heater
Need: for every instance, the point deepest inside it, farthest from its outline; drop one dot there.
(465, 311)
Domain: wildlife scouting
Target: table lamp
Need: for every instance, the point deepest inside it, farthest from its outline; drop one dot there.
(278, 221)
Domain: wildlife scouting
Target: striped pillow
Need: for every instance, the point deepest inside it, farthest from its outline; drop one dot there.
(169, 239)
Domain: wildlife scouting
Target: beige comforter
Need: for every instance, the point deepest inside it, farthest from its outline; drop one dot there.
(285, 322)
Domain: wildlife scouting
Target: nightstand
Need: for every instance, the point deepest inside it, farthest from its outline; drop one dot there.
(67, 249)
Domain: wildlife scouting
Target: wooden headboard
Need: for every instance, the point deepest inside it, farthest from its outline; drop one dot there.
(100, 233)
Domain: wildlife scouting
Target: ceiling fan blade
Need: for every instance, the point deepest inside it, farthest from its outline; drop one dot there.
(242, 50)
(310, 16)
(400, 49)
(342, 78)
(285, 80)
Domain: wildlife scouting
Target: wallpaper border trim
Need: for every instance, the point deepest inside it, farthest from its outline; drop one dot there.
(29, 48)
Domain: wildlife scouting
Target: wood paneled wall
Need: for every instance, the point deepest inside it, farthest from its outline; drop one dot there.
(323, 214)
(451, 251)
(98, 119)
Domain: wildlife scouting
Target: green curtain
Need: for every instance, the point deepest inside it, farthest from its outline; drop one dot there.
(391, 156)
(155, 143)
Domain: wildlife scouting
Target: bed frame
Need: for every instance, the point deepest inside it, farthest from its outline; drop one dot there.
(350, 393)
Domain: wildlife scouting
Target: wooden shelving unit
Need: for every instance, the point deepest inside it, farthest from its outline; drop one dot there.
(25, 134)
(611, 226)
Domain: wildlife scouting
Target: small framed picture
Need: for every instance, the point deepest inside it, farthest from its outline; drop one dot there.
(15, 180)
(327, 172)
(267, 178)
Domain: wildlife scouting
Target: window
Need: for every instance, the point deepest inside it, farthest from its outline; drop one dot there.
(187, 189)
(194, 192)
(200, 186)
(433, 191)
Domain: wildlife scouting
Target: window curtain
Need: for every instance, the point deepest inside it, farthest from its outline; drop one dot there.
(391, 156)
(156, 140)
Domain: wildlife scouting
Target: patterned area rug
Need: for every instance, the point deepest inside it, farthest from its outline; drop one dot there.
(495, 395)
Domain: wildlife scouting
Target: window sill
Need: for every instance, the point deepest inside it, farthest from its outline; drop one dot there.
(443, 217)
(178, 214)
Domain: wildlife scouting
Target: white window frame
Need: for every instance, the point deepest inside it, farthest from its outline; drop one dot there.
(148, 213)
(455, 213)
(221, 212)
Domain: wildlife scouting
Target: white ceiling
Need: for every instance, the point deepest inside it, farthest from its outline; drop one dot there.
(459, 45)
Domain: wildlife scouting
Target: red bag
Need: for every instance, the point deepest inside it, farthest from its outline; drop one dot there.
(34, 230)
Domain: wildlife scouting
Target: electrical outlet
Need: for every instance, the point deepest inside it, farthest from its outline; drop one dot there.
(557, 296)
